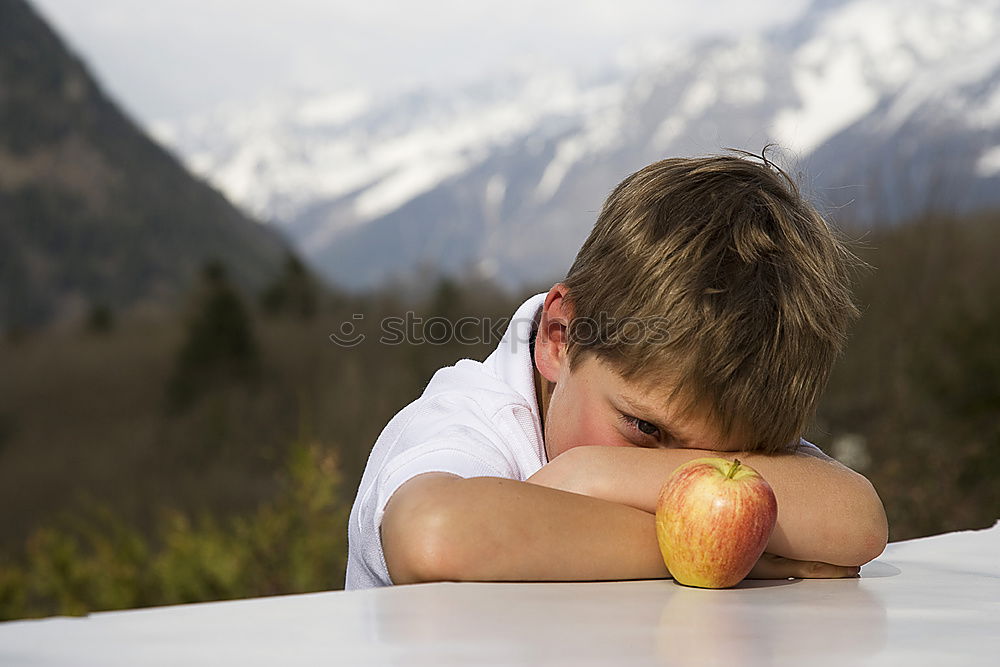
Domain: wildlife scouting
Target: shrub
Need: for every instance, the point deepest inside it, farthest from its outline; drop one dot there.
(94, 561)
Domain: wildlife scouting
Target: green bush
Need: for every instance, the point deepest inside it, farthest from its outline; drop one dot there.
(94, 561)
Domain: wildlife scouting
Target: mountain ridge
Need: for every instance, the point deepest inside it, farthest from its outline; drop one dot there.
(93, 211)
(866, 98)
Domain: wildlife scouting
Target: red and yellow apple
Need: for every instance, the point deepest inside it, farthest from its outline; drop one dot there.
(713, 520)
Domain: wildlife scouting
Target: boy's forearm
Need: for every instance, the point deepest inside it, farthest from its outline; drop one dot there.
(439, 527)
(826, 512)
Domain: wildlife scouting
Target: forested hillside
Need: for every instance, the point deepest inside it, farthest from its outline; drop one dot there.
(92, 212)
(195, 488)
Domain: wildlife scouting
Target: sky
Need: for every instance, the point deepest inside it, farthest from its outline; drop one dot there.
(168, 59)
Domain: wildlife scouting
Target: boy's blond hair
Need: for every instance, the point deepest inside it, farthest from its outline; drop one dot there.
(714, 279)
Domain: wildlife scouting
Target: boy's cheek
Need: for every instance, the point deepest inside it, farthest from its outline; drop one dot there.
(581, 426)
(600, 435)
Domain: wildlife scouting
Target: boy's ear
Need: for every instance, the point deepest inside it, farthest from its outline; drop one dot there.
(553, 333)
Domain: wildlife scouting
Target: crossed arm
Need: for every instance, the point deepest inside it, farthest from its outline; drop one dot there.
(588, 515)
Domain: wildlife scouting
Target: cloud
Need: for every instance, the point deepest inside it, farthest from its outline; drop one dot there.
(174, 57)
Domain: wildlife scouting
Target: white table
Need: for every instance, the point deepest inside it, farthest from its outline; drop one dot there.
(932, 601)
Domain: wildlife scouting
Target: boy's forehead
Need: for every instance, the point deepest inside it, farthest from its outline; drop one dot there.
(651, 395)
(695, 428)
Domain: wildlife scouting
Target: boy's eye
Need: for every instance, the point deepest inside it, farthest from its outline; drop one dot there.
(645, 427)
(640, 425)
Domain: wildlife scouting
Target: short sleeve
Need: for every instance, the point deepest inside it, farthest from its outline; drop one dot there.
(473, 419)
(461, 451)
(809, 448)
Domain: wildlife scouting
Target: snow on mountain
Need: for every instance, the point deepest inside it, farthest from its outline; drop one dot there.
(889, 106)
(284, 156)
(867, 50)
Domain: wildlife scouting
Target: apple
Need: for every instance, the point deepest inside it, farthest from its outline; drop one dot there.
(713, 520)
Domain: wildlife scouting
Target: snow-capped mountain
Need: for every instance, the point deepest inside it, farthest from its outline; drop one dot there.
(887, 107)
(327, 166)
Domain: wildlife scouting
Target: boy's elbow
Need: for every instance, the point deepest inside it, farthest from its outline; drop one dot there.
(869, 543)
(870, 526)
(418, 539)
(879, 535)
(416, 553)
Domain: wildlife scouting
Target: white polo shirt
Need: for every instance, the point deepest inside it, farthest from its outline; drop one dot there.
(474, 419)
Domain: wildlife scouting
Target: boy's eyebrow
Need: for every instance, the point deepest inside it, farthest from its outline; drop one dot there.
(645, 411)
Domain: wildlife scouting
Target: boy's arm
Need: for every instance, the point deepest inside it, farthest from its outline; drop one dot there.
(439, 527)
(826, 512)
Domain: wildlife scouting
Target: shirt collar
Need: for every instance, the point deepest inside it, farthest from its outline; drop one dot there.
(512, 361)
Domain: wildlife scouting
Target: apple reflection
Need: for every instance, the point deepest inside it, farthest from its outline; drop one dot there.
(831, 621)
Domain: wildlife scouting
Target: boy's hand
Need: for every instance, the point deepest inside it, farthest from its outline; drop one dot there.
(775, 567)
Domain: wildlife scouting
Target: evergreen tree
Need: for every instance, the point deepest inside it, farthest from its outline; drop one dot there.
(295, 292)
(220, 346)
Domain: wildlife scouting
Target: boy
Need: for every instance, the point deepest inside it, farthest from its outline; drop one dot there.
(701, 316)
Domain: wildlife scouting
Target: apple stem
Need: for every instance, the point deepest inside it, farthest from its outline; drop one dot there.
(733, 468)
